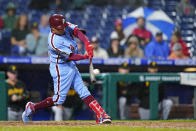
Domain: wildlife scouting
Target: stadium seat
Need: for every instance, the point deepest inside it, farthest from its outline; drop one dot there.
(5, 44)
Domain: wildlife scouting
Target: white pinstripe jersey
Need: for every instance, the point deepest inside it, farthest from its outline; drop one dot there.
(60, 46)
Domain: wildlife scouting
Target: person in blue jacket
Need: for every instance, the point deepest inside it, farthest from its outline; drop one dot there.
(157, 48)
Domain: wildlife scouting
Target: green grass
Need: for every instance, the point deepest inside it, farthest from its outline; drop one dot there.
(95, 127)
(89, 128)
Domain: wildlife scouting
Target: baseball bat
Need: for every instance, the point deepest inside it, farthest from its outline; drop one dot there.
(92, 75)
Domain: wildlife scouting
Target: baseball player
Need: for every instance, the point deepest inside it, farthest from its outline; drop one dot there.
(165, 104)
(62, 52)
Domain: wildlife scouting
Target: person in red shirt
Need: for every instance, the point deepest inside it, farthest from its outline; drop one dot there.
(141, 32)
(176, 38)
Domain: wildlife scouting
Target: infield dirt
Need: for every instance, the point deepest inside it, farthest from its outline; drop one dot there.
(159, 124)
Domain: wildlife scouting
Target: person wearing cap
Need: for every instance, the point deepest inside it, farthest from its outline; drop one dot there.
(17, 95)
(19, 34)
(140, 31)
(123, 93)
(126, 91)
(177, 52)
(133, 50)
(165, 104)
(158, 48)
(115, 50)
(10, 18)
(37, 44)
(98, 52)
(119, 31)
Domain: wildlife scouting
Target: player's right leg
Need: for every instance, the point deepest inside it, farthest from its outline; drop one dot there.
(166, 108)
(122, 107)
(81, 89)
(62, 78)
(58, 112)
(144, 113)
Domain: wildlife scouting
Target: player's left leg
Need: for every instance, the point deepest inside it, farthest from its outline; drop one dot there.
(81, 89)
(62, 78)
(32, 108)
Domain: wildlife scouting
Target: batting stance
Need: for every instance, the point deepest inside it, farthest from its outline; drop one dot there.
(62, 52)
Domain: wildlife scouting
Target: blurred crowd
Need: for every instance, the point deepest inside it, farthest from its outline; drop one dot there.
(30, 39)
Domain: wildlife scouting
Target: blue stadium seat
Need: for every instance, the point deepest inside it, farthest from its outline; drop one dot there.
(5, 44)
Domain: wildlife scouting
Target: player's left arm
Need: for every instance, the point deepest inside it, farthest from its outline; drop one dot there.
(80, 34)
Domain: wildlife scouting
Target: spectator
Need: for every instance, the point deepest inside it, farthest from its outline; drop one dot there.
(143, 34)
(60, 5)
(98, 51)
(37, 5)
(176, 38)
(133, 49)
(17, 94)
(137, 3)
(43, 26)
(143, 95)
(177, 52)
(119, 31)
(10, 18)
(18, 35)
(185, 7)
(115, 50)
(157, 48)
(37, 44)
(1, 23)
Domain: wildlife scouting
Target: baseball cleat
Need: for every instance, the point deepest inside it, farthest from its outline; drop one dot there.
(103, 119)
(107, 119)
(29, 110)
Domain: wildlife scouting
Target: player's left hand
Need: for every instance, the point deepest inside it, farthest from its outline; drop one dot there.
(89, 50)
(86, 56)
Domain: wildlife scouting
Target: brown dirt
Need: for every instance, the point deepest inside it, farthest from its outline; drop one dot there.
(190, 125)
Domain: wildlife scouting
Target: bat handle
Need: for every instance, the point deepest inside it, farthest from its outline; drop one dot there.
(90, 61)
(92, 75)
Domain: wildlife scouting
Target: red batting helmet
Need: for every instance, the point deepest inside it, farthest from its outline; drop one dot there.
(57, 21)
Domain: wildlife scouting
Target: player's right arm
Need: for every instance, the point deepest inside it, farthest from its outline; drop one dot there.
(64, 50)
